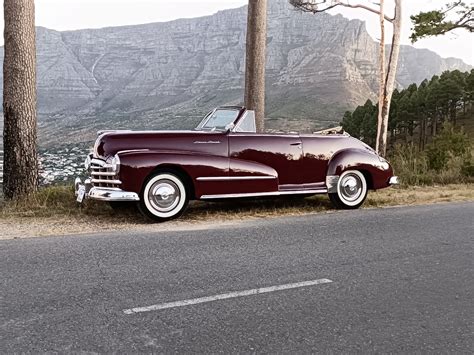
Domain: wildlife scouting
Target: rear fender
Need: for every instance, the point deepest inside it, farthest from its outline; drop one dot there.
(377, 171)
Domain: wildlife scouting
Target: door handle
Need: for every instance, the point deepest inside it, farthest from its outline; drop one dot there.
(294, 144)
(299, 145)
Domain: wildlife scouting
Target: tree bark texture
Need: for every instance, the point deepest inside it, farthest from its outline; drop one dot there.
(391, 76)
(256, 60)
(19, 100)
(382, 72)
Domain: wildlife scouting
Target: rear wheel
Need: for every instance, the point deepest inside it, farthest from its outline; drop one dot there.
(164, 196)
(351, 190)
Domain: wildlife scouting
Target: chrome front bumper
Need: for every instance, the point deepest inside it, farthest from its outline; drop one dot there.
(394, 180)
(104, 193)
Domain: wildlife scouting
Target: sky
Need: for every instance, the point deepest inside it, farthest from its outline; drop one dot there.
(79, 14)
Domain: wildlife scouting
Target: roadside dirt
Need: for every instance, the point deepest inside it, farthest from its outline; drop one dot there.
(16, 228)
(214, 215)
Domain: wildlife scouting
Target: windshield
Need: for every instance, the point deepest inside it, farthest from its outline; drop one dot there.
(218, 120)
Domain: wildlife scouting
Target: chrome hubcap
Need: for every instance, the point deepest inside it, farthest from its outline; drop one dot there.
(351, 187)
(164, 195)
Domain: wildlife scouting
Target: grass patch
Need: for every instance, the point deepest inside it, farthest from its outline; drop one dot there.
(54, 201)
(417, 195)
(53, 211)
(59, 201)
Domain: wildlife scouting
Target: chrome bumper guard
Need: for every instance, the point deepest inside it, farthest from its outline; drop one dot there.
(331, 183)
(394, 180)
(104, 193)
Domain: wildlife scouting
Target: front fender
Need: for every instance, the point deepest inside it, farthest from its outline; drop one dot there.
(377, 170)
(136, 166)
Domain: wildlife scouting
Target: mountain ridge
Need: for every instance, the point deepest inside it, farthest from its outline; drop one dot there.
(166, 74)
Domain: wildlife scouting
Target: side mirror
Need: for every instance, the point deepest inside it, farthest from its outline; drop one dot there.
(230, 127)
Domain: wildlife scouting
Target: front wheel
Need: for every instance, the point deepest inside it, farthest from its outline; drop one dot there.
(351, 190)
(164, 197)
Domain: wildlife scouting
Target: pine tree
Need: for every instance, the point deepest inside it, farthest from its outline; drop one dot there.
(438, 22)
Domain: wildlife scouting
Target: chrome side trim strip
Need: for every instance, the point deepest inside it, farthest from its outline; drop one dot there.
(133, 151)
(235, 178)
(100, 133)
(265, 194)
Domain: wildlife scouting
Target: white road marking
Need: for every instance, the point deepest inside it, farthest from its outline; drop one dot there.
(225, 296)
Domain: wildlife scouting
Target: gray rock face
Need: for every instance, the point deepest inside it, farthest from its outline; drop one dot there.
(318, 66)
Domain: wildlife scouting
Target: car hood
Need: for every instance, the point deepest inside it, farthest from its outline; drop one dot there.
(110, 143)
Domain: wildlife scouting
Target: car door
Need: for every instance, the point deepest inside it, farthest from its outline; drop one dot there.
(283, 153)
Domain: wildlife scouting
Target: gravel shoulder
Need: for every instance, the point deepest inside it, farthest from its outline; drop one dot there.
(201, 216)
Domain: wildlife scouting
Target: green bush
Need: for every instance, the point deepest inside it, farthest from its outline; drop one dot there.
(448, 144)
(410, 165)
(468, 170)
(446, 160)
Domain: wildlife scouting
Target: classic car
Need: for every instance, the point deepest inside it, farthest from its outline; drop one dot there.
(224, 158)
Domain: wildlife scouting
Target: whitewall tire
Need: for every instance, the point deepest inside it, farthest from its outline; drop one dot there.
(351, 190)
(164, 197)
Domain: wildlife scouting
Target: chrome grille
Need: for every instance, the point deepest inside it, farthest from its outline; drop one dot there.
(102, 175)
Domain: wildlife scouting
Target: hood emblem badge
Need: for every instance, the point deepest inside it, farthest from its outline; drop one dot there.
(207, 142)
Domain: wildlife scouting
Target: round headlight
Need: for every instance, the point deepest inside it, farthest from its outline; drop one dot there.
(385, 164)
(114, 163)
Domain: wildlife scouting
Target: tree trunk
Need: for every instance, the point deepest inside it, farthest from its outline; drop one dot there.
(256, 60)
(19, 100)
(453, 113)
(420, 136)
(382, 73)
(391, 76)
(426, 134)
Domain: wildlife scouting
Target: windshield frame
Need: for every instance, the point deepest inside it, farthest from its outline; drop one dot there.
(202, 124)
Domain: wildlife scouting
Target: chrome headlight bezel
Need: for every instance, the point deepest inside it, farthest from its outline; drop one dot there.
(114, 163)
(385, 163)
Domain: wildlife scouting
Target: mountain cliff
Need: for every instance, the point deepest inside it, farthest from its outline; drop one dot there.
(317, 67)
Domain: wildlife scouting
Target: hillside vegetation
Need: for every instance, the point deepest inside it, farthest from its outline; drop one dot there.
(431, 129)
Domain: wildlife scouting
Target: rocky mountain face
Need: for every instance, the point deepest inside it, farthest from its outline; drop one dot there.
(166, 74)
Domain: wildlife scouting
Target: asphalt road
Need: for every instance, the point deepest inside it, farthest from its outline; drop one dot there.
(402, 282)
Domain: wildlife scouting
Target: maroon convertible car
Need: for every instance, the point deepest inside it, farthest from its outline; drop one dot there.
(224, 158)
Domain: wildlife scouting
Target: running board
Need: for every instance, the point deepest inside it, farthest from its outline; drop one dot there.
(265, 194)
